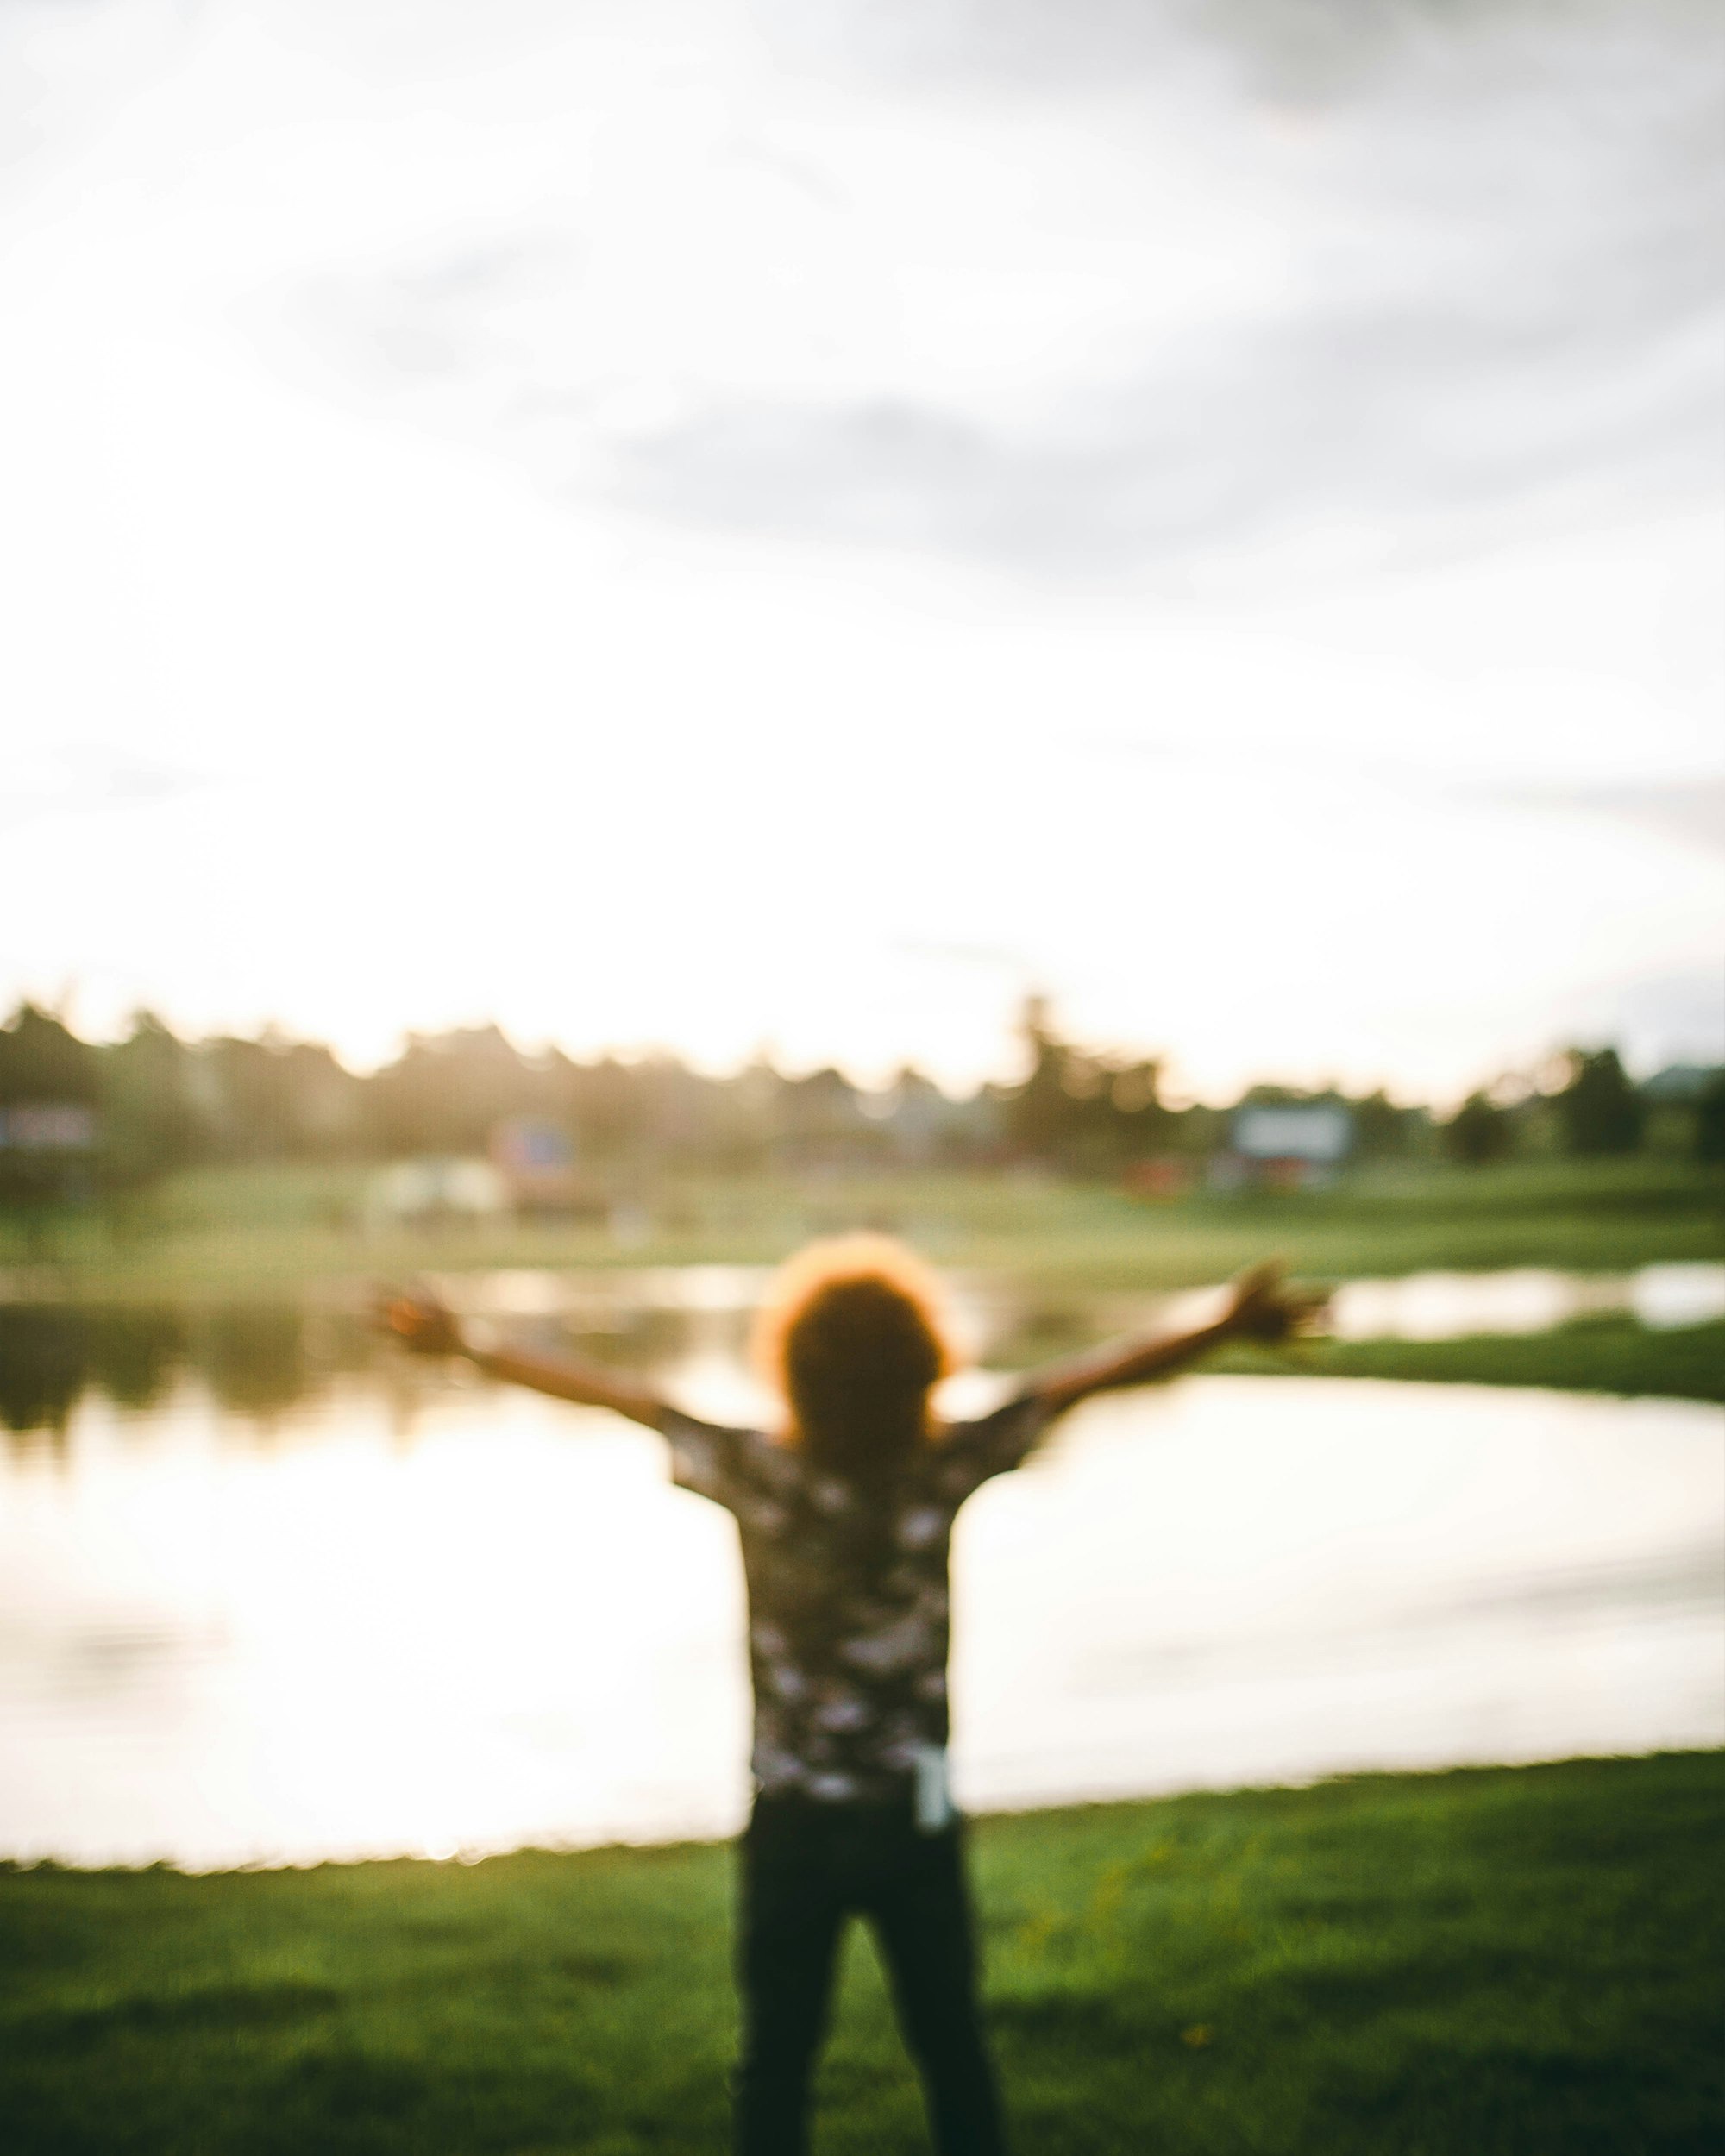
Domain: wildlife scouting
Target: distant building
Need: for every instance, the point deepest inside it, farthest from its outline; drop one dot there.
(536, 1160)
(48, 1126)
(1316, 1131)
(430, 1191)
(46, 1150)
(1298, 1146)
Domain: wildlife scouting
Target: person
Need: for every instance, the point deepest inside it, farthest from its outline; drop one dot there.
(845, 1515)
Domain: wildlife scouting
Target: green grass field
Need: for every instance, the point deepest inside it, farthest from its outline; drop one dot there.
(265, 1231)
(1593, 1355)
(1501, 1962)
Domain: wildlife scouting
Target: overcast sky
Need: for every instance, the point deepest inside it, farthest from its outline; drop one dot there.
(714, 524)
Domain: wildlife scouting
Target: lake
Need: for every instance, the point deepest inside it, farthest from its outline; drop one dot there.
(271, 1592)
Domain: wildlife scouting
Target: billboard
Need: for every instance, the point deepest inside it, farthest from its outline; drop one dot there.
(1317, 1131)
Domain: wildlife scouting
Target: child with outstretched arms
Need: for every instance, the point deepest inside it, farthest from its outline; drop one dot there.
(845, 1515)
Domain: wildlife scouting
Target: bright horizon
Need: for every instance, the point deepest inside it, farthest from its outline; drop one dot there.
(672, 528)
(1008, 1068)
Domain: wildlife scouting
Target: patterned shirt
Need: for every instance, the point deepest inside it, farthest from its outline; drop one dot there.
(848, 1604)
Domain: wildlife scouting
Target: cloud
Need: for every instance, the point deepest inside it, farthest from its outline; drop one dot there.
(1660, 1017)
(1693, 812)
(70, 778)
(64, 69)
(1421, 412)
(1496, 296)
(1508, 304)
(1308, 50)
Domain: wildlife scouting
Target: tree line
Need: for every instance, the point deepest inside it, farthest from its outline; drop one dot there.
(152, 1102)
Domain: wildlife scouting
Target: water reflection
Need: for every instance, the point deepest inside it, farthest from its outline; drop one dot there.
(273, 1366)
(269, 1590)
(269, 1363)
(509, 1628)
(258, 1362)
(1447, 1306)
(50, 1357)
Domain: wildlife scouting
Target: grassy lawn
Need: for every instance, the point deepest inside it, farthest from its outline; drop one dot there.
(1592, 1355)
(265, 1231)
(1496, 1963)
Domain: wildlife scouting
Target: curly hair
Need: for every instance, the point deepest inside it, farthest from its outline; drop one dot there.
(853, 1334)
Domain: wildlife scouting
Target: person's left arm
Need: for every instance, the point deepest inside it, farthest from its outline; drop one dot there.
(1262, 1307)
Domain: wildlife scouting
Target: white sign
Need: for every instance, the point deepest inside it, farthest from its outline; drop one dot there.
(1317, 1133)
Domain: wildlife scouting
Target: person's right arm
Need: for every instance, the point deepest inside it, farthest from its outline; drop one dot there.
(424, 1325)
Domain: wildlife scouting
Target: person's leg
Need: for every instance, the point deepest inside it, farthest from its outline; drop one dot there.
(919, 1906)
(792, 1911)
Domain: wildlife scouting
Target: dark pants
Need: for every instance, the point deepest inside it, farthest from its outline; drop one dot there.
(806, 1868)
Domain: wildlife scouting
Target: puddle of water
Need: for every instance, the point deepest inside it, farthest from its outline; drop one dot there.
(526, 1293)
(1450, 1306)
(1672, 1295)
(404, 1612)
(1432, 1305)
(1011, 1323)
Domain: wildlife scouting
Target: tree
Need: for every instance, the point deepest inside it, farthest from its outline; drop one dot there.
(42, 1061)
(1382, 1131)
(1038, 1110)
(1710, 1119)
(1479, 1132)
(151, 1121)
(1083, 1110)
(50, 1088)
(444, 1092)
(1599, 1110)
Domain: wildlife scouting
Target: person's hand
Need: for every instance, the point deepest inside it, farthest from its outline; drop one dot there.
(1266, 1308)
(419, 1322)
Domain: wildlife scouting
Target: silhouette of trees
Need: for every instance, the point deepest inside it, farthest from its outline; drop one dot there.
(1599, 1110)
(1479, 1132)
(1710, 1119)
(151, 1117)
(443, 1093)
(1384, 1130)
(50, 1089)
(154, 1103)
(1081, 1111)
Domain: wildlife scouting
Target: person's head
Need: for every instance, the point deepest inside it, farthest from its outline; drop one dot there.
(852, 1334)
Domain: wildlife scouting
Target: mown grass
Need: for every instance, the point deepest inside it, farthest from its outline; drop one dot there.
(1496, 1963)
(266, 1230)
(1591, 1354)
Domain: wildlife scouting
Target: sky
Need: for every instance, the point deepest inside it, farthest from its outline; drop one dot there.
(732, 525)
